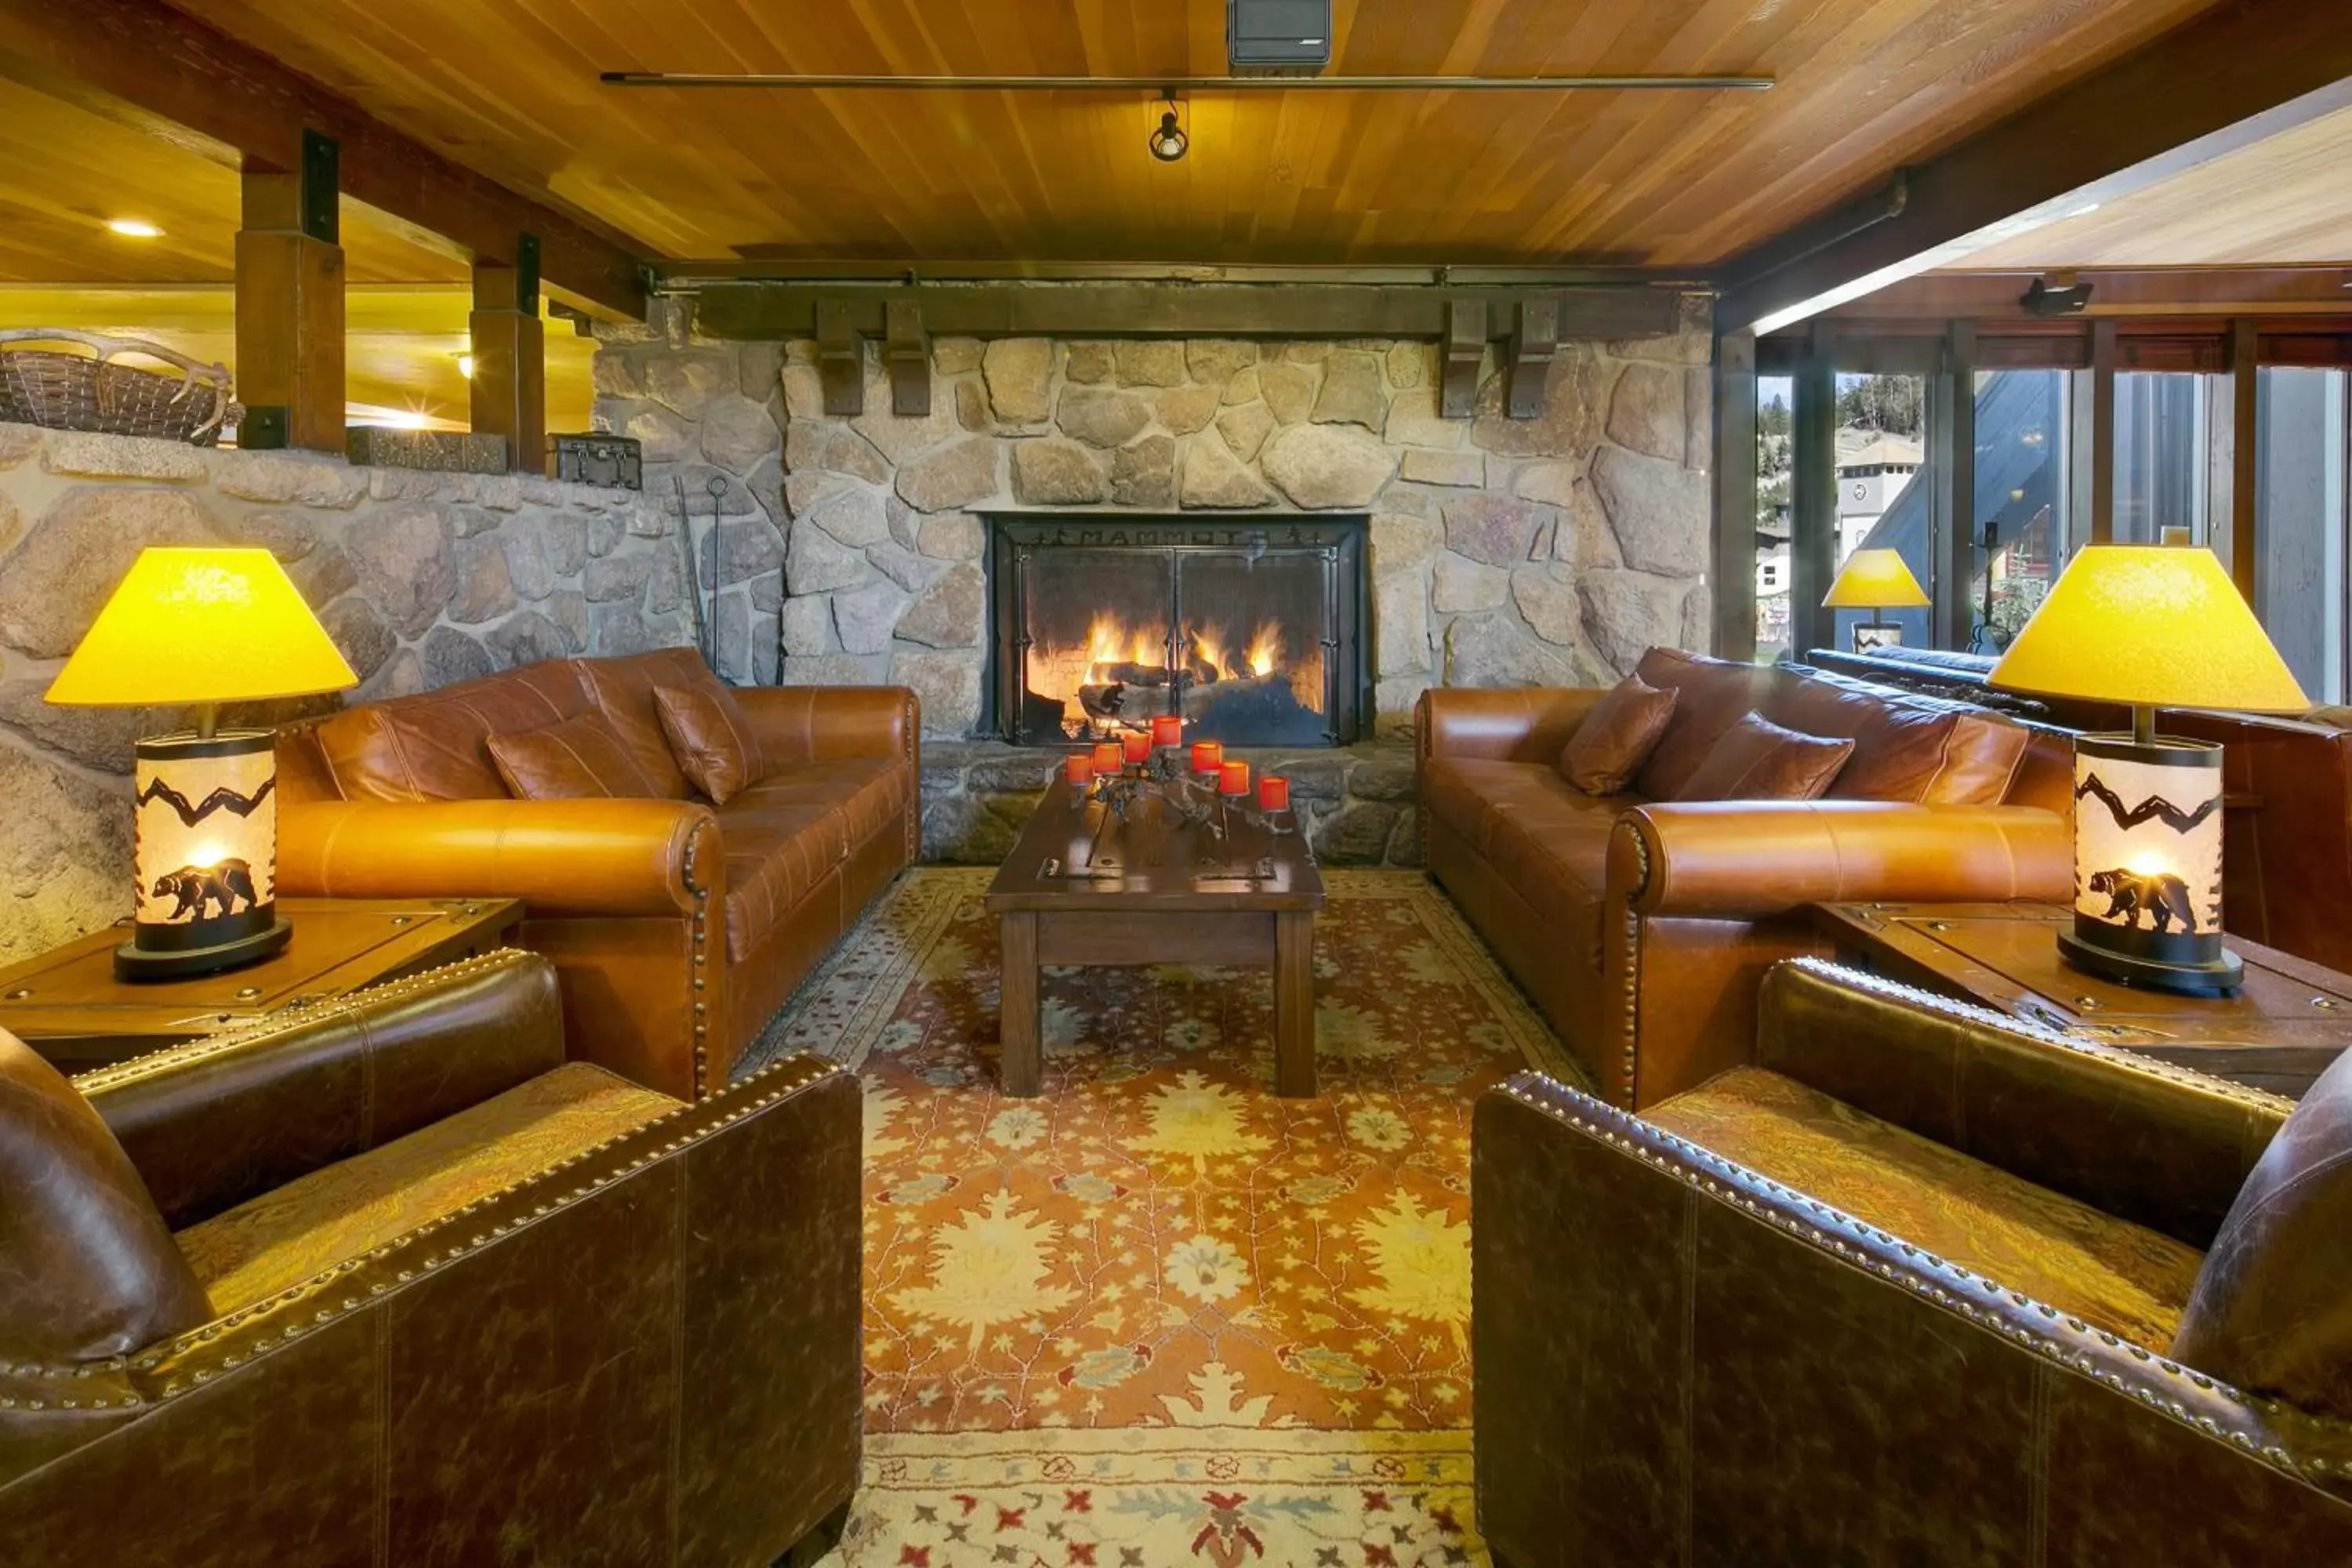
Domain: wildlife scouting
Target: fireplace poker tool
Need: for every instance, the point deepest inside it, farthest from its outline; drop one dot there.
(693, 577)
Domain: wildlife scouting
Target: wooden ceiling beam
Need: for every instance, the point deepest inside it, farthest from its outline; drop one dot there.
(765, 312)
(188, 78)
(2240, 71)
(2114, 292)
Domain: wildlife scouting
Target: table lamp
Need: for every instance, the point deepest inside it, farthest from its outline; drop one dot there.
(2154, 626)
(197, 628)
(1875, 580)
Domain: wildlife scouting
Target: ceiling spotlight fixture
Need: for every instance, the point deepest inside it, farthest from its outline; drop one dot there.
(134, 229)
(465, 366)
(1169, 142)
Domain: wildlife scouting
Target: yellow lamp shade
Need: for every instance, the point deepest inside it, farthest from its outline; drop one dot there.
(189, 626)
(1874, 580)
(2153, 625)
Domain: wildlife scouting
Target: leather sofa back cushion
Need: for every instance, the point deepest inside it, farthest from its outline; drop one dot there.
(87, 1268)
(1758, 760)
(1711, 695)
(623, 689)
(1617, 737)
(431, 746)
(2271, 1311)
(578, 759)
(712, 739)
(1921, 752)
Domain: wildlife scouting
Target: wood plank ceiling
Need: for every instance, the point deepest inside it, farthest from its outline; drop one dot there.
(1671, 180)
(2285, 201)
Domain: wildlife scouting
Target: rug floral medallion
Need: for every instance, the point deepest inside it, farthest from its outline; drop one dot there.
(1158, 1315)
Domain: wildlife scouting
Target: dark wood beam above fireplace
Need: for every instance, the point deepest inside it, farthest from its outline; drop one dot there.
(766, 310)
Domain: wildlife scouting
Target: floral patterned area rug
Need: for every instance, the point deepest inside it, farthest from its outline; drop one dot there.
(1158, 1315)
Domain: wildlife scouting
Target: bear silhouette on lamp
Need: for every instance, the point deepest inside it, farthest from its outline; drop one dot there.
(204, 801)
(2149, 626)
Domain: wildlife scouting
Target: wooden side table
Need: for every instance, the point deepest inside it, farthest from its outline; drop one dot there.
(68, 1005)
(2278, 1034)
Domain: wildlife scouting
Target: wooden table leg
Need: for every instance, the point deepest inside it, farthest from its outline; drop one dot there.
(1294, 1004)
(1022, 1064)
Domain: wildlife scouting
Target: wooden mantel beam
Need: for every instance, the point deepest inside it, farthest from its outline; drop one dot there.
(2233, 74)
(164, 66)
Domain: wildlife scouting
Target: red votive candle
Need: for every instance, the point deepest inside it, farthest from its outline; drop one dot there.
(1233, 778)
(1208, 757)
(1166, 729)
(1274, 793)
(1079, 769)
(1106, 757)
(1135, 745)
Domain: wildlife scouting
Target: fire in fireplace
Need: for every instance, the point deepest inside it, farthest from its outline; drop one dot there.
(1251, 628)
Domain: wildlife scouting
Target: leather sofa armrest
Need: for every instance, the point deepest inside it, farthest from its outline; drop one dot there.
(2156, 1144)
(819, 724)
(1515, 724)
(561, 857)
(221, 1119)
(1665, 1313)
(1753, 859)
(539, 1314)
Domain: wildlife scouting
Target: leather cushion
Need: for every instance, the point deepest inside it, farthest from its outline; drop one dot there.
(1558, 861)
(623, 691)
(1471, 794)
(2121, 1276)
(2273, 1311)
(578, 759)
(710, 740)
(1922, 750)
(349, 1208)
(433, 746)
(1617, 737)
(871, 792)
(1711, 695)
(87, 1268)
(1758, 760)
(777, 853)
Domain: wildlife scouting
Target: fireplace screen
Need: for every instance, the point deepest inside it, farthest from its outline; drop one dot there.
(1251, 629)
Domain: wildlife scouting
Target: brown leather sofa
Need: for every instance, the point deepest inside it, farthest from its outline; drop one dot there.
(2286, 860)
(391, 1282)
(679, 928)
(1921, 1286)
(1642, 926)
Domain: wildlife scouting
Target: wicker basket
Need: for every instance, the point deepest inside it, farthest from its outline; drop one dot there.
(67, 390)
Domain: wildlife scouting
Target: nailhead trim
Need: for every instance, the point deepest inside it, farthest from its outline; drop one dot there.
(2068, 1341)
(740, 1101)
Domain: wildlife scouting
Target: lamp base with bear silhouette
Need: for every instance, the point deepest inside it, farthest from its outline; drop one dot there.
(206, 856)
(2147, 863)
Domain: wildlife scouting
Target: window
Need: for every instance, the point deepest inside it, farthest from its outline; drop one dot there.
(2300, 499)
(2022, 527)
(1775, 454)
(2163, 438)
(1882, 439)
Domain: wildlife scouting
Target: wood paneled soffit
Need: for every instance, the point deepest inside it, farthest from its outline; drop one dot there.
(142, 61)
(2238, 72)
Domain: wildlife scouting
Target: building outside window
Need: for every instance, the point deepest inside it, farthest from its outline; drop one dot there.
(1775, 470)
(2301, 584)
(2022, 527)
(2163, 445)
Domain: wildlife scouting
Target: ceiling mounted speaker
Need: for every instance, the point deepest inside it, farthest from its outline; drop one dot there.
(1278, 38)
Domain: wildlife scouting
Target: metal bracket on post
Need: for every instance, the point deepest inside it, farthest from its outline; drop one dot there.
(1465, 348)
(907, 354)
(840, 359)
(1532, 346)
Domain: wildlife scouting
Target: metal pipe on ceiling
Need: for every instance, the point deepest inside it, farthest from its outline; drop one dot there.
(1168, 84)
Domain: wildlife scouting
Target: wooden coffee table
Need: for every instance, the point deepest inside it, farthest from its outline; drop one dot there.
(1171, 894)
(2293, 1018)
(68, 1006)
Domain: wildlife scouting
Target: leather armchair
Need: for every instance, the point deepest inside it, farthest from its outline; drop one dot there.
(390, 1281)
(1923, 1287)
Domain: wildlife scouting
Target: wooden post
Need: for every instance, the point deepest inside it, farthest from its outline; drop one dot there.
(1955, 558)
(2245, 451)
(1733, 572)
(2094, 439)
(510, 346)
(1812, 550)
(289, 303)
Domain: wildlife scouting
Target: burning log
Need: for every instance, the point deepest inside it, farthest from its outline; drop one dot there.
(1106, 701)
(1124, 673)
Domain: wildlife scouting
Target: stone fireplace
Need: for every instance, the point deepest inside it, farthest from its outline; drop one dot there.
(1251, 628)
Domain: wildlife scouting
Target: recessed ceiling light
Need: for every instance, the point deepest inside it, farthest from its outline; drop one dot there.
(134, 229)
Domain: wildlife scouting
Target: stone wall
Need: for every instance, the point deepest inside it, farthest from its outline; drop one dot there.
(421, 579)
(1550, 551)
